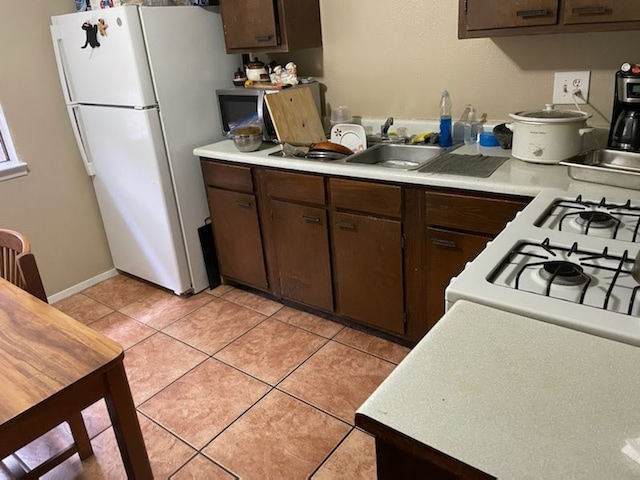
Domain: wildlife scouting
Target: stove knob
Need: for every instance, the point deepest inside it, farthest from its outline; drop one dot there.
(537, 151)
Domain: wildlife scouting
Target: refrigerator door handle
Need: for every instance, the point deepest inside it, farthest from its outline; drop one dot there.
(56, 35)
(88, 164)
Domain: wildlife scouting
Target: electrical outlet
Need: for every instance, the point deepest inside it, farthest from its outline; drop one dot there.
(566, 83)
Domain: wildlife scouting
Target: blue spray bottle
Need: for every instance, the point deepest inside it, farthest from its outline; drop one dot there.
(445, 120)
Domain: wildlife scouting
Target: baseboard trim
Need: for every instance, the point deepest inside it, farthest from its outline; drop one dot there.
(56, 297)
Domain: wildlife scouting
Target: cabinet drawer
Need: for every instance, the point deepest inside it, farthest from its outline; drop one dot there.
(489, 14)
(229, 177)
(601, 11)
(295, 186)
(470, 213)
(366, 197)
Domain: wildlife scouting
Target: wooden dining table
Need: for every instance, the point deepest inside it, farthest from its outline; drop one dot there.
(51, 368)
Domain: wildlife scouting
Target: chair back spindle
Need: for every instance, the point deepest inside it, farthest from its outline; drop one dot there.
(18, 265)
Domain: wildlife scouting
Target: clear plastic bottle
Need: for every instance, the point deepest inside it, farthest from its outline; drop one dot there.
(445, 120)
(471, 127)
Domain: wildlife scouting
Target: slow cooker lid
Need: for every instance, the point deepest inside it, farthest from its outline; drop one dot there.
(551, 114)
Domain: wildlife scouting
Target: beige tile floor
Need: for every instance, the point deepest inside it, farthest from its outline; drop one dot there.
(227, 384)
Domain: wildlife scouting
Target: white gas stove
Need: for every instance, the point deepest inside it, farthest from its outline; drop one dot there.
(565, 260)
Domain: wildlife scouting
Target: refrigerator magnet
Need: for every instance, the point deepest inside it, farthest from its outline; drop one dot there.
(92, 35)
(102, 27)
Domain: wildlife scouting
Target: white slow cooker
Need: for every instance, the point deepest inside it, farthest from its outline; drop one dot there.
(548, 135)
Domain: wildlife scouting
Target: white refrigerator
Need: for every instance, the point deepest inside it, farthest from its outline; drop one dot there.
(139, 103)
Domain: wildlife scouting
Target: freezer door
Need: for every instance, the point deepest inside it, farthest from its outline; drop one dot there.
(135, 194)
(116, 72)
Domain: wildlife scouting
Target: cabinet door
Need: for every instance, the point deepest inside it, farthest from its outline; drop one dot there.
(447, 254)
(236, 231)
(368, 270)
(601, 11)
(249, 23)
(302, 247)
(490, 14)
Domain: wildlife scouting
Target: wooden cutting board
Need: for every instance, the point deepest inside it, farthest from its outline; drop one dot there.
(295, 116)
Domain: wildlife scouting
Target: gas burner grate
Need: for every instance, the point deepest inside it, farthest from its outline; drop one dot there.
(601, 218)
(559, 270)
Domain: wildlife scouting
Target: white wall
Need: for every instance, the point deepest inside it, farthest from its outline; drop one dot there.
(54, 205)
(391, 58)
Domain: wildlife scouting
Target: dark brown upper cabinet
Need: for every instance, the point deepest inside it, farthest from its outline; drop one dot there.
(270, 25)
(493, 18)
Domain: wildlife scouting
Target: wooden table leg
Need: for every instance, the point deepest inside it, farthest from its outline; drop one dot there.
(125, 424)
(80, 435)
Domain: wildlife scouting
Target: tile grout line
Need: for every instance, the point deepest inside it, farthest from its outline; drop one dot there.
(271, 388)
(326, 459)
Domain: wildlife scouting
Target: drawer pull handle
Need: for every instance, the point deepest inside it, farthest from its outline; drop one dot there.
(543, 12)
(263, 38)
(311, 219)
(346, 225)
(243, 204)
(444, 243)
(589, 10)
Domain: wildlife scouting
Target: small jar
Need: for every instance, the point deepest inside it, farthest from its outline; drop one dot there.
(239, 78)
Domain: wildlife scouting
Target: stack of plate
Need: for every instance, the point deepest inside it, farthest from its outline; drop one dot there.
(325, 155)
(328, 151)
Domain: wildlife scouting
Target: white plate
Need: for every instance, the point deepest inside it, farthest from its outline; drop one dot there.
(350, 135)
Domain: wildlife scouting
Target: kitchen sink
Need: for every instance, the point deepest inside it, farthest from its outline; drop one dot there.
(394, 155)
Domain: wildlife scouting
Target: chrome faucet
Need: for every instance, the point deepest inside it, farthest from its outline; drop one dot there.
(384, 129)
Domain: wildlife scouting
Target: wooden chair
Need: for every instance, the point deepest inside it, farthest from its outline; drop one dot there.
(18, 266)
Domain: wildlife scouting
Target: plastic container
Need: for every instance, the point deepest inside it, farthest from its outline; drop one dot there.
(488, 139)
(340, 114)
(471, 127)
(445, 120)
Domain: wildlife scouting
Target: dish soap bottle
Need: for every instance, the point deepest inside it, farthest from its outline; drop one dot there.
(445, 120)
(471, 127)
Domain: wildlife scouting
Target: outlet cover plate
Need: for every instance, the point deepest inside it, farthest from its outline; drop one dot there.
(564, 83)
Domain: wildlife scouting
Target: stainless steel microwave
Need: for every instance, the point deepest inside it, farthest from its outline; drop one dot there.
(244, 106)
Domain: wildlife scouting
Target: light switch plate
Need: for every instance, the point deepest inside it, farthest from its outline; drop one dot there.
(566, 83)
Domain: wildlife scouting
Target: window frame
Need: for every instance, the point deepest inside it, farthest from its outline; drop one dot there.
(12, 167)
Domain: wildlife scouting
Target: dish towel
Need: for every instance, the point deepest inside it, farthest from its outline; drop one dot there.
(632, 449)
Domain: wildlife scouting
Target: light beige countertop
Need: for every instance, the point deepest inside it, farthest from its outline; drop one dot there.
(513, 177)
(516, 397)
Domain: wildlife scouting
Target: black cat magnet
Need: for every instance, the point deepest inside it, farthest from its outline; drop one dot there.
(92, 35)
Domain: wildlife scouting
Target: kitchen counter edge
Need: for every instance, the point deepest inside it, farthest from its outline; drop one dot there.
(513, 396)
(513, 177)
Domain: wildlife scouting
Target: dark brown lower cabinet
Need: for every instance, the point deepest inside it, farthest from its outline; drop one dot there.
(447, 254)
(236, 229)
(368, 280)
(302, 249)
(337, 245)
(458, 225)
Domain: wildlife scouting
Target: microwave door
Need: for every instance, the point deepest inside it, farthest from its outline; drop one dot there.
(239, 109)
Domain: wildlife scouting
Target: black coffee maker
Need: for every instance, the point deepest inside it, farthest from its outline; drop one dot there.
(624, 133)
